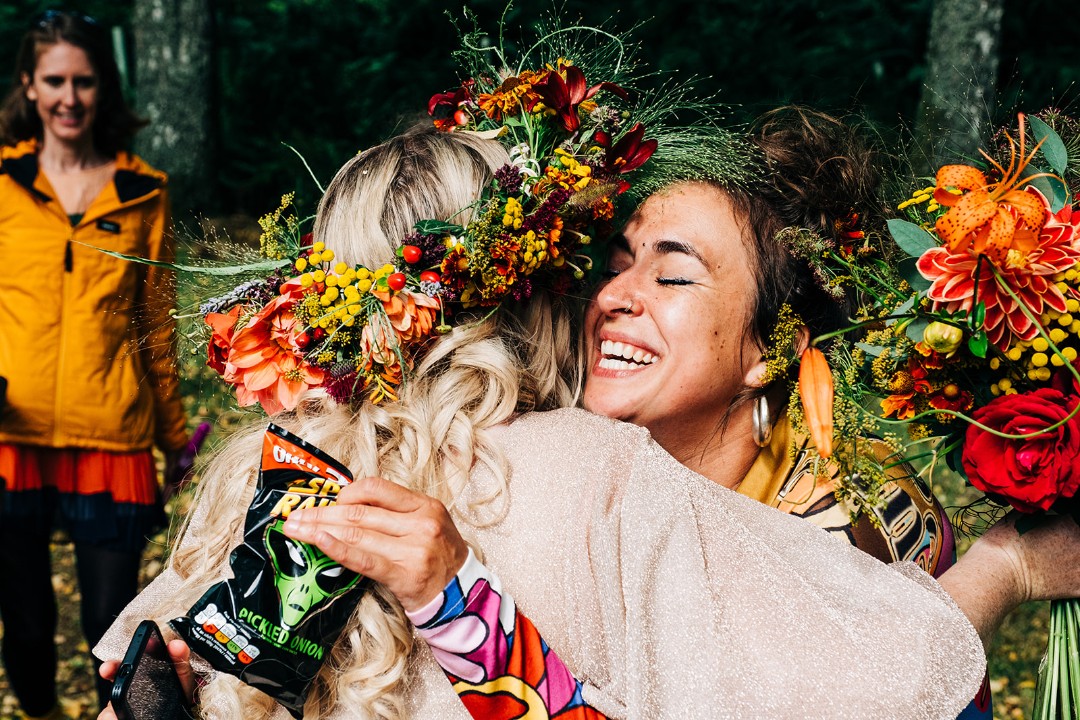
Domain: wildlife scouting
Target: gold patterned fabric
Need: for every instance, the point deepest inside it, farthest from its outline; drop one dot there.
(911, 525)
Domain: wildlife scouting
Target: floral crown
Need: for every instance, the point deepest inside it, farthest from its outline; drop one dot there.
(574, 148)
(966, 330)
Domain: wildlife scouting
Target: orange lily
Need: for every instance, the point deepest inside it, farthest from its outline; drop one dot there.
(991, 218)
(816, 390)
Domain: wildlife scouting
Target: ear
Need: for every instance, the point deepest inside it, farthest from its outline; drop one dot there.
(31, 93)
(755, 375)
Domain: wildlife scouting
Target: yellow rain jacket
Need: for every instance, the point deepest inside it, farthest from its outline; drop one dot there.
(86, 341)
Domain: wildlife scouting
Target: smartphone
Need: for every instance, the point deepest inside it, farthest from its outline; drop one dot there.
(147, 686)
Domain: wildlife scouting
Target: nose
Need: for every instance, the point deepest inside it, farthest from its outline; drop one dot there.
(619, 296)
(70, 96)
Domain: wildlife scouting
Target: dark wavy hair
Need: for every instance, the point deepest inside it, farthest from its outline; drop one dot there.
(818, 173)
(115, 123)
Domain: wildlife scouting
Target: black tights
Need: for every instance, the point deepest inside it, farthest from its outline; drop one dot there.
(108, 580)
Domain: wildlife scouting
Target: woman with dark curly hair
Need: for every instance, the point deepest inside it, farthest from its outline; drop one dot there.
(684, 339)
(85, 343)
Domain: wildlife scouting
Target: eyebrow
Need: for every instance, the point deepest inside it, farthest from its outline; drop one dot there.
(667, 247)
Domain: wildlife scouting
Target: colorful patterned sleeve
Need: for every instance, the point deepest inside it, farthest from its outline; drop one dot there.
(496, 660)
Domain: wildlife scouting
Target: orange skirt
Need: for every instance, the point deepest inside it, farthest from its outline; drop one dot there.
(105, 498)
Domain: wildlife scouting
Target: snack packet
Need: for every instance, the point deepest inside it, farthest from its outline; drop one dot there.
(275, 620)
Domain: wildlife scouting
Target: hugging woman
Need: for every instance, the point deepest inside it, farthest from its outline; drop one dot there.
(664, 593)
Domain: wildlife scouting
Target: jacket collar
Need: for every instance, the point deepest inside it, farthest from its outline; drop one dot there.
(134, 179)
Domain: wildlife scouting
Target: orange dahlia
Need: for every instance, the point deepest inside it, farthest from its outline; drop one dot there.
(953, 275)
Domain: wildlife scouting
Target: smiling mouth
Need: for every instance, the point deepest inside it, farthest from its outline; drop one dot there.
(621, 356)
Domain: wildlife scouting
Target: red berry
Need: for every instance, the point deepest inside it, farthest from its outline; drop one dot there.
(461, 117)
(303, 340)
(411, 254)
(430, 276)
(395, 281)
(318, 334)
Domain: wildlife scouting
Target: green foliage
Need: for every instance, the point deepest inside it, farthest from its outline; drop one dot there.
(362, 69)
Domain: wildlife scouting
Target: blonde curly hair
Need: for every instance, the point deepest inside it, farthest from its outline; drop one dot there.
(478, 376)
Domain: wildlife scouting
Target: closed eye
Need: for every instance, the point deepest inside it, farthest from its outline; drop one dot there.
(673, 281)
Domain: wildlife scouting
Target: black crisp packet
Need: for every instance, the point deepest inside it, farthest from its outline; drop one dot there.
(276, 619)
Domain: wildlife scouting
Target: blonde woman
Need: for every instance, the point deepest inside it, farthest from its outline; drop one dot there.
(631, 564)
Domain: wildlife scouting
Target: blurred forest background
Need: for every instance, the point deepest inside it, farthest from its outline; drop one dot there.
(227, 83)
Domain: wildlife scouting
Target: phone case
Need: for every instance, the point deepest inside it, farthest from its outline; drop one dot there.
(147, 686)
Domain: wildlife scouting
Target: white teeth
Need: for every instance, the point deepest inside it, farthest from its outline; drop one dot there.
(621, 356)
(613, 364)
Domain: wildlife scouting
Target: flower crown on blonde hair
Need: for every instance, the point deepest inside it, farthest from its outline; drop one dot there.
(574, 145)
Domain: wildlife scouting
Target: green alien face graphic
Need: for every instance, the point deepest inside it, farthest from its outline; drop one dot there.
(305, 578)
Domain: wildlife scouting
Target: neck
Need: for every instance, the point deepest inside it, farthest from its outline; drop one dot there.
(62, 157)
(722, 455)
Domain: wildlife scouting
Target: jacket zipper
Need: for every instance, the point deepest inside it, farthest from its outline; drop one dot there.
(64, 289)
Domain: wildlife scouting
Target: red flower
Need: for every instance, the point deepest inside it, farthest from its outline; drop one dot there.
(263, 358)
(629, 153)
(564, 94)
(448, 108)
(1033, 473)
(222, 327)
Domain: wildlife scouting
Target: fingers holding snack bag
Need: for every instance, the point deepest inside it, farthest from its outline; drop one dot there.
(401, 538)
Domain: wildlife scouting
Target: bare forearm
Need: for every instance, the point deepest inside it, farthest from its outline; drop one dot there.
(984, 588)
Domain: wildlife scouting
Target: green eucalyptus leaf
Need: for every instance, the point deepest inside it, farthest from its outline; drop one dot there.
(1053, 149)
(874, 350)
(914, 278)
(915, 328)
(911, 238)
(978, 344)
(905, 308)
(1054, 190)
(438, 227)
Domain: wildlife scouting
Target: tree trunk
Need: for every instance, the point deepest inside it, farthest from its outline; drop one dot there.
(961, 81)
(173, 89)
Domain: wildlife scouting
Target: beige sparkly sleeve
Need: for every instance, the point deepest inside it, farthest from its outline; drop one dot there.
(736, 609)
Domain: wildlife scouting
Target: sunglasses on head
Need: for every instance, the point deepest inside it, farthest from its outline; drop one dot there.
(49, 17)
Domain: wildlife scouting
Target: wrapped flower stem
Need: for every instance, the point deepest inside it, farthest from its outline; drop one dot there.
(1057, 694)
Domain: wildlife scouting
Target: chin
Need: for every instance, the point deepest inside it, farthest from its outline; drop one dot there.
(605, 405)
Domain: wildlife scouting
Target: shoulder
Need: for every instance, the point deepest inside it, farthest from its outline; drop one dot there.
(571, 430)
(19, 162)
(130, 163)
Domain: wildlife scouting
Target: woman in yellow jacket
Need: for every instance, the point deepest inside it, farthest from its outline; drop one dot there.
(86, 344)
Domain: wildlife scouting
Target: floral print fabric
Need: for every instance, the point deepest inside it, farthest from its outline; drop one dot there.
(496, 660)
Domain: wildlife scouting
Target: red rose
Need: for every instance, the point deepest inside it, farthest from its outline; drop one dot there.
(1033, 473)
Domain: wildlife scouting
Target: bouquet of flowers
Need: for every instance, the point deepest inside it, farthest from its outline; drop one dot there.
(966, 336)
